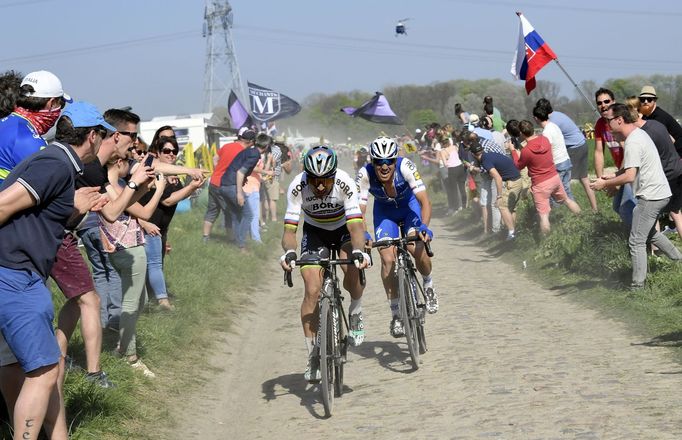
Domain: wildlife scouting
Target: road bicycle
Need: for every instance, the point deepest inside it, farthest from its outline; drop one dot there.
(411, 297)
(333, 329)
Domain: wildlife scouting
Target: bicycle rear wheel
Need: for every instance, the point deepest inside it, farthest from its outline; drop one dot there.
(407, 313)
(327, 337)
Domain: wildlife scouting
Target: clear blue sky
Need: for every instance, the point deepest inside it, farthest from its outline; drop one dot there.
(150, 54)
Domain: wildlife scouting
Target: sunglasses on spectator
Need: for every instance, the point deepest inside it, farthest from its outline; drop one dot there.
(136, 150)
(606, 101)
(646, 99)
(131, 134)
(380, 162)
(170, 151)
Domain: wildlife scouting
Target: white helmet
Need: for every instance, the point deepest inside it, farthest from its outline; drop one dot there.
(383, 148)
(320, 162)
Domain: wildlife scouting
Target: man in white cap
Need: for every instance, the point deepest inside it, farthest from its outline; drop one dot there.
(39, 105)
(649, 110)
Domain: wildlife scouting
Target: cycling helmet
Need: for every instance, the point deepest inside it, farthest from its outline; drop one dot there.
(320, 161)
(383, 148)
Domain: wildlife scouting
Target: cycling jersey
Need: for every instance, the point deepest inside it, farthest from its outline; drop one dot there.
(330, 212)
(406, 179)
(18, 140)
(389, 212)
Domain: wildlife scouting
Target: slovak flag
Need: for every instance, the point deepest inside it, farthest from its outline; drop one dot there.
(532, 54)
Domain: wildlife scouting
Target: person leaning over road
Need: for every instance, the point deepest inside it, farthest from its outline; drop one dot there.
(507, 180)
(576, 147)
(37, 200)
(641, 167)
(670, 160)
(399, 198)
(545, 181)
(651, 111)
(232, 184)
(331, 219)
(156, 228)
(216, 203)
(271, 184)
(623, 199)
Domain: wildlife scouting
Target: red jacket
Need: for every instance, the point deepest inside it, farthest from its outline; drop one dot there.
(537, 156)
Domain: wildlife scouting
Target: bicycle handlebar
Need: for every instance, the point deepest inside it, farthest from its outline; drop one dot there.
(324, 262)
(403, 241)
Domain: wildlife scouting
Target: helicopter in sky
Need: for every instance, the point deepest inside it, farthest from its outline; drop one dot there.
(400, 28)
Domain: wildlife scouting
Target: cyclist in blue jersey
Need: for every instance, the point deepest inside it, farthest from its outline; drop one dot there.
(331, 218)
(399, 197)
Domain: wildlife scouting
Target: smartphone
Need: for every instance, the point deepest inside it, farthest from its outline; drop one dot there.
(149, 160)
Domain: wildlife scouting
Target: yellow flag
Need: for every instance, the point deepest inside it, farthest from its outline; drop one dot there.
(206, 158)
(410, 147)
(189, 156)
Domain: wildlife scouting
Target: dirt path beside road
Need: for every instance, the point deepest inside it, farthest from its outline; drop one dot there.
(507, 359)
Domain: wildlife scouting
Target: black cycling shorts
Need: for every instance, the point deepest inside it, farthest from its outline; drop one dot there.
(314, 238)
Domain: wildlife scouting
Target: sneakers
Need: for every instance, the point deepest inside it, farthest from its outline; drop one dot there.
(140, 366)
(431, 300)
(397, 329)
(312, 370)
(634, 287)
(100, 379)
(511, 236)
(357, 329)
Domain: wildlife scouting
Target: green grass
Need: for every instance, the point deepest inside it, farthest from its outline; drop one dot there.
(210, 282)
(587, 258)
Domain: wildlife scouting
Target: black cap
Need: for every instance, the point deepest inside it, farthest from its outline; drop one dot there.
(475, 148)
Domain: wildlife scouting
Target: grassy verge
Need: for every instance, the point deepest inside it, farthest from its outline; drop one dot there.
(210, 283)
(587, 258)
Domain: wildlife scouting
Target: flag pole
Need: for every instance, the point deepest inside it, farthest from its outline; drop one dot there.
(576, 86)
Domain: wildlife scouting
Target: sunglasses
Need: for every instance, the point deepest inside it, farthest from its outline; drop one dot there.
(646, 99)
(131, 134)
(606, 101)
(170, 151)
(136, 150)
(381, 162)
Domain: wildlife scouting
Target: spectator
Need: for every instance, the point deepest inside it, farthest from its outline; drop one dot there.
(475, 126)
(156, 228)
(232, 183)
(623, 198)
(576, 146)
(462, 116)
(271, 182)
(641, 167)
(37, 198)
(123, 240)
(507, 180)
(545, 181)
(455, 182)
(163, 131)
(216, 202)
(498, 122)
(562, 161)
(651, 111)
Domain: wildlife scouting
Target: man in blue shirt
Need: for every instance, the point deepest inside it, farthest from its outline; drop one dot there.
(37, 201)
(232, 182)
(507, 179)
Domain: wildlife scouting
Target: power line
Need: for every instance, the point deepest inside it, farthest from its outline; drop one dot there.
(616, 10)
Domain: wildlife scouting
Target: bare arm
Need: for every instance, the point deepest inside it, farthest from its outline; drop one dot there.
(183, 193)
(628, 175)
(599, 157)
(14, 199)
(289, 239)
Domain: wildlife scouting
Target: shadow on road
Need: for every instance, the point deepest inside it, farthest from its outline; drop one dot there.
(673, 339)
(575, 287)
(392, 355)
(295, 384)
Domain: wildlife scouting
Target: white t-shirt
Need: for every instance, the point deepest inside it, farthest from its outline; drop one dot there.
(556, 138)
(329, 212)
(640, 152)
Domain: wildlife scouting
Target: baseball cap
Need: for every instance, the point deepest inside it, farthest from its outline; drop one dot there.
(418, 131)
(648, 92)
(475, 148)
(473, 119)
(246, 134)
(45, 85)
(84, 114)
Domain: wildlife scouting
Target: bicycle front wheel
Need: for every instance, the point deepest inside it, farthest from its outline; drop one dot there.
(407, 312)
(327, 337)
